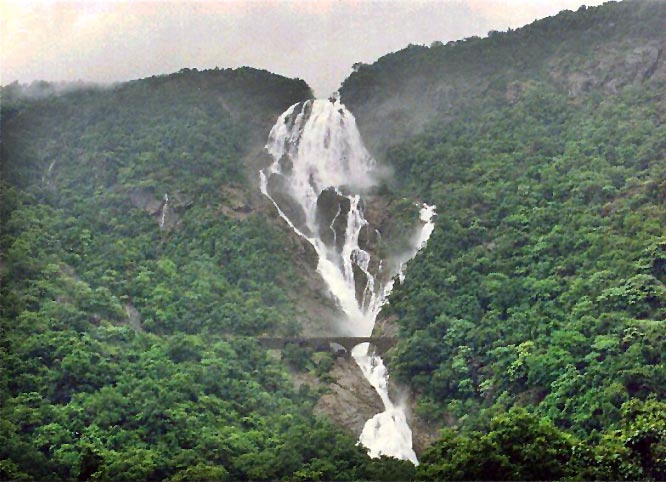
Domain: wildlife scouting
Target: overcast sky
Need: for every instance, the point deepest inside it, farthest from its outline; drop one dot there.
(316, 40)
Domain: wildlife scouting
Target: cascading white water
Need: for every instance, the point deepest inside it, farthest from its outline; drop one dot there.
(165, 207)
(320, 168)
(388, 433)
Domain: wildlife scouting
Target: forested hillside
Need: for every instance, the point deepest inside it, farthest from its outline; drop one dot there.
(536, 317)
(139, 264)
(136, 274)
(594, 50)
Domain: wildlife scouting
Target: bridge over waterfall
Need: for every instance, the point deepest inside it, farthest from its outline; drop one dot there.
(332, 343)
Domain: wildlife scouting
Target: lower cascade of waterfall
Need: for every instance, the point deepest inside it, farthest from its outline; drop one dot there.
(320, 170)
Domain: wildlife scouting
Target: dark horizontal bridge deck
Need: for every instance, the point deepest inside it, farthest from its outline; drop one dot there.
(324, 343)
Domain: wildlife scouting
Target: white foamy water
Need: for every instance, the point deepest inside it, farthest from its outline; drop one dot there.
(320, 162)
(165, 207)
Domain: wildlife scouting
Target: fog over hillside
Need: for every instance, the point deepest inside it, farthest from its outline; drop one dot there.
(317, 41)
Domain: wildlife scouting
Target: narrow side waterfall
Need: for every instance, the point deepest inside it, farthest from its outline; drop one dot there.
(165, 207)
(320, 170)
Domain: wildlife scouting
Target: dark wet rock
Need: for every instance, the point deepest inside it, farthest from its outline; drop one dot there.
(369, 238)
(286, 164)
(332, 215)
(361, 281)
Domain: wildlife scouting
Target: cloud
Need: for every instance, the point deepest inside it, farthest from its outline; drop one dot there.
(317, 40)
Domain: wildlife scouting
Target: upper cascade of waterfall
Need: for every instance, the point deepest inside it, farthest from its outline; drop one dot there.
(320, 168)
(323, 147)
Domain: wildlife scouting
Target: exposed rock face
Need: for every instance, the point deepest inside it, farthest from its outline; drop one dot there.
(614, 66)
(351, 400)
(144, 198)
(286, 164)
(385, 326)
(424, 432)
(642, 62)
(360, 282)
(162, 209)
(277, 188)
(369, 238)
(332, 215)
(133, 317)
(235, 203)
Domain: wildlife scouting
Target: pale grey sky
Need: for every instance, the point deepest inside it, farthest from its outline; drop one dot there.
(316, 40)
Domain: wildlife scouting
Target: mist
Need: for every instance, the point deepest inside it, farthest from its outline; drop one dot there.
(317, 41)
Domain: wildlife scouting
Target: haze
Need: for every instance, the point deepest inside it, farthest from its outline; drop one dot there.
(317, 41)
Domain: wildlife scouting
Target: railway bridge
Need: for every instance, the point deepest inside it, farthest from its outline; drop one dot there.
(332, 343)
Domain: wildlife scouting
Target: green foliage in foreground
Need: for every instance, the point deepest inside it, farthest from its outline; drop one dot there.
(117, 405)
(520, 446)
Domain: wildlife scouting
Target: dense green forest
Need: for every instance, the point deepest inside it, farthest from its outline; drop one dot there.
(128, 349)
(138, 268)
(536, 317)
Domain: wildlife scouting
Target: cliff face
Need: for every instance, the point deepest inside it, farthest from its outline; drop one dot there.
(594, 50)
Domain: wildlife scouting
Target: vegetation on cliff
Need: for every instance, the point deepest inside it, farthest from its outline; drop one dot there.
(136, 269)
(135, 274)
(543, 285)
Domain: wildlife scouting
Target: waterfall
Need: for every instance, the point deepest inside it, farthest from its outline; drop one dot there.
(165, 207)
(48, 177)
(319, 173)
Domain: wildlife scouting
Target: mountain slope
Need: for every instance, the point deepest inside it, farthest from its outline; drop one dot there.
(139, 262)
(592, 50)
(543, 285)
(138, 266)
